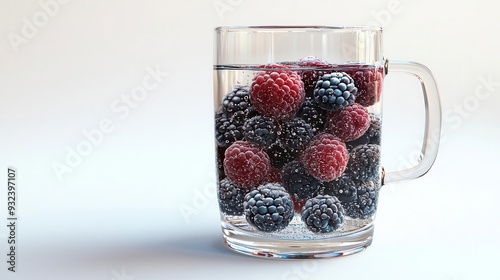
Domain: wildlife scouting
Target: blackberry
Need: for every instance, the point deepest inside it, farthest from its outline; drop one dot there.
(220, 163)
(371, 136)
(230, 198)
(297, 134)
(261, 131)
(335, 91)
(227, 130)
(344, 188)
(237, 101)
(366, 201)
(269, 208)
(312, 114)
(364, 162)
(298, 182)
(323, 214)
(280, 155)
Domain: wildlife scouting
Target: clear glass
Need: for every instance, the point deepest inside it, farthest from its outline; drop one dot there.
(297, 134)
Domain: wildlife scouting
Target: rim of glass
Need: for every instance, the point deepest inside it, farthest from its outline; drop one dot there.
(277, 28)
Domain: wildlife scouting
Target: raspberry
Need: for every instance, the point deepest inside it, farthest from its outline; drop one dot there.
(312, 114)
(298, 182)
(299, 204)
(227, 130)
(326, 157)
(269, 208)
(371, 136)
(246, 165)
(297, 134)
(274, 176)
(323, 214)
(230, 198)
(236, 101)
(369, 84)
(280, 155)
(348, 124)
(261, 131)
(310, 77)
(335, 91)
(365, 204)
(364, 162)
(277, 93)
(344, 188)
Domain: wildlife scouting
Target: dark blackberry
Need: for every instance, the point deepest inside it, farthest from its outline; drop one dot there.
(297, 134)
(366, 201)
(323, 214)
(299, 183)
(312, 114)
(236, 101)
(371, 136)
(364, 162)
(220, 163)
(230, 198)
(227, 130)
(280, 155)
(261, 131)
(344, 188)
(335, 91)
(269, 208)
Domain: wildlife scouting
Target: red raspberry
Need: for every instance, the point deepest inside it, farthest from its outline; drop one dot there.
(326, 157)
(298, 204)
(246, 165)
(277, 93)
(369, 84)
(310, 77)
(274, 176)
(348, 124)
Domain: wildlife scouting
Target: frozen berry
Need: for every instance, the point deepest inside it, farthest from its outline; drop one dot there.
(269, 208)
(312, 114)
(220, 163)
(311, 76)
(326, 157)
(323, 214)
(364, 162)
(277, 93)
(297, 134)
(365, 204)
(230, 198)
(261, 131)
(246, 165)
(274, 176)
(236, 101)
(298, 182)
(227, 130)
(369, 84)
(335, 91)
(371, 136)
(280, 155)
(348, 124)
(344, 188)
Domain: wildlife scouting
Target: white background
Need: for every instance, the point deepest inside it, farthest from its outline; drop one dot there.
(117, 214)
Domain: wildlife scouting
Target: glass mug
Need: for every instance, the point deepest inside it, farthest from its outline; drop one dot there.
(297, 132)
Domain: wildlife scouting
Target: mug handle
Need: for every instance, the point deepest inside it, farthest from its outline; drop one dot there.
(432, 132)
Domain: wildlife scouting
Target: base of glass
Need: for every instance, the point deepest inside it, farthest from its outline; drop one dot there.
(335, 246)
